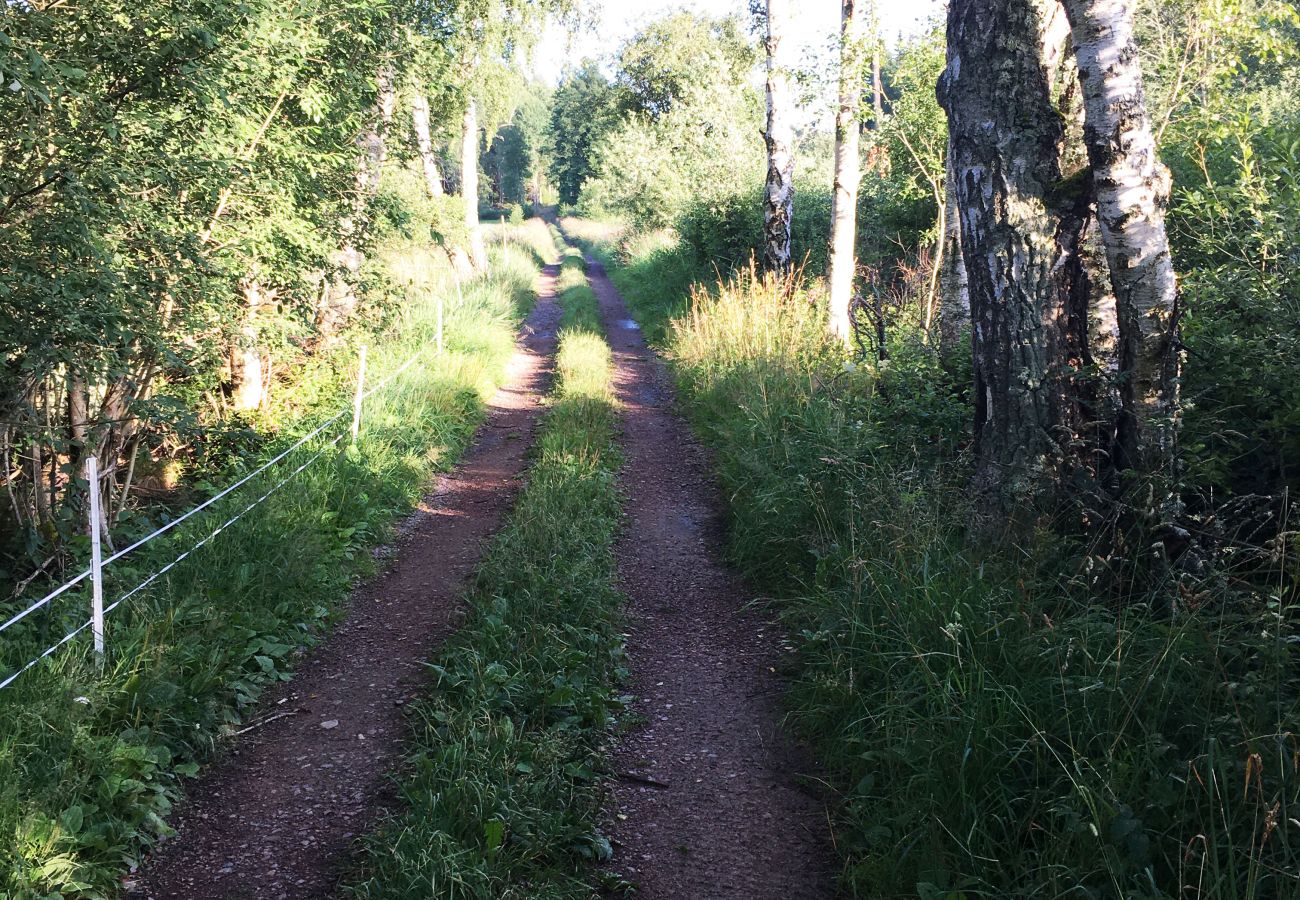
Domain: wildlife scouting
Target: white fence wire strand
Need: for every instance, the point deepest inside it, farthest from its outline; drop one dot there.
(354, 410)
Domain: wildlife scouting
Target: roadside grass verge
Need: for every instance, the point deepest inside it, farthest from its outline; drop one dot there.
(501, 786)
(993, 727)
(91, 762)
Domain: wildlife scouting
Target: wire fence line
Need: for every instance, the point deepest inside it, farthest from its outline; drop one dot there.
(94, 572)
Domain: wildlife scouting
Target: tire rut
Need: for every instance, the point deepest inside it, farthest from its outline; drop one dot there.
(278, 815)
(708, 802)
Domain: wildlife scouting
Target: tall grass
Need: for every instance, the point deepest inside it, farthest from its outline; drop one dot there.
(993, 729)
(501, 785)
(91, 761)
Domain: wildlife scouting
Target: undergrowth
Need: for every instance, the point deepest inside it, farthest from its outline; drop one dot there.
(992, 725)
(501, 786)
(92, 761)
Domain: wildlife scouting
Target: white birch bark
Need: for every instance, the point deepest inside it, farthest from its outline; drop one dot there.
(848, 172)
(249, 389)
(954, 289)
(469, 184)
(778, 201)
(424, 144)
(1132, 190)
(338, 297)
(877, 85)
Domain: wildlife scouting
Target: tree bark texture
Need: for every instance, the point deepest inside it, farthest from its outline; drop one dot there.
(1006, 137)
(778, 200)
(954, 292)
(469, 184)
(848, 171)
(877, 85)
(424, 144)
(1132, 190)
(338, 298)
(248, 386)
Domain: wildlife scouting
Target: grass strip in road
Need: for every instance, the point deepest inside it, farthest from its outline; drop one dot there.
(502, 784)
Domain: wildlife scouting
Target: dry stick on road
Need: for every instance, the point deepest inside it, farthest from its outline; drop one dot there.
(277, 818)
(710, 806)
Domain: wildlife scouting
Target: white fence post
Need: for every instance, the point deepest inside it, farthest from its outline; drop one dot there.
(361, 387)
(96, 557)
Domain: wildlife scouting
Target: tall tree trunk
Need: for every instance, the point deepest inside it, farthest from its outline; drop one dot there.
(424, 144)
(1132, 190)
(848, 172)
(778, 201)
(338, 298)
(954, 293)
(1091, 334)
(78, 415)
(469, 184)
(1006, 137)
(877, 86)
(248, 389)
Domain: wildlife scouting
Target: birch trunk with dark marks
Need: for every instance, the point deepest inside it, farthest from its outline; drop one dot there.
(954, 294)
(1006, 136)
(877, 86)
(1090, 346)
(778, 201)
(1132, 190)
(338, 297)
(78, 416)
(424, 144)
(469, 184)
(848, 172)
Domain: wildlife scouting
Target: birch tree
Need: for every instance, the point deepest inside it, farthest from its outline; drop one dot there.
(1006, 136)
(848, 171)
(1132, 190)
(469, 183)
(338, 296)
(778, 201)
(424, 144)
(954, 290)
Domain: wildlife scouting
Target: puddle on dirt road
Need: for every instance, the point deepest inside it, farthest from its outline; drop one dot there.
(629, 323)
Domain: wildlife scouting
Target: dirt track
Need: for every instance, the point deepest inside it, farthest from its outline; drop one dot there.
(277, 817)
(709, 803)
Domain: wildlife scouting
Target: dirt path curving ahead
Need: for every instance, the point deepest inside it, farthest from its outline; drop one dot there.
(277, 817)
(708, 803)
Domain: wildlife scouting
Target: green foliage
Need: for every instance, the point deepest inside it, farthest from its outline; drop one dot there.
(92, 762)
(989, 728)
(679, 123)
(685, 60)
(1231, 135)
(583, 109)
(501, 789)
(514, 157)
